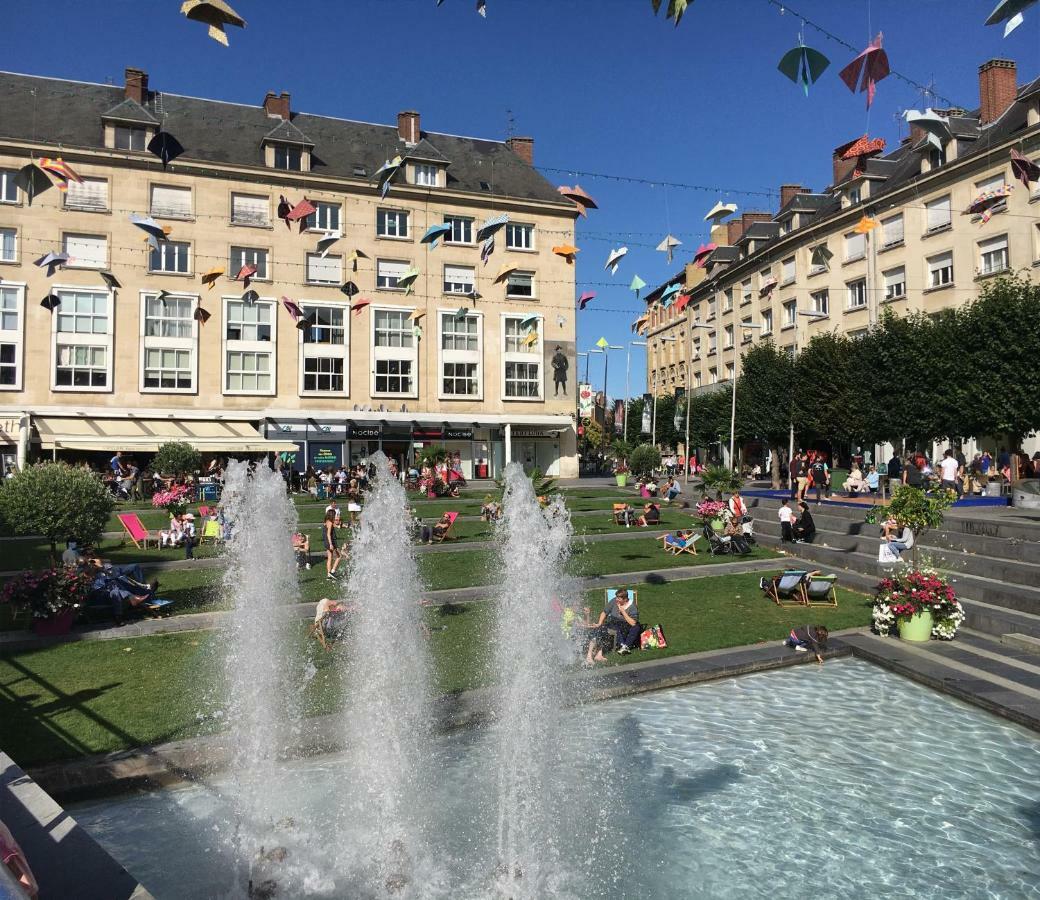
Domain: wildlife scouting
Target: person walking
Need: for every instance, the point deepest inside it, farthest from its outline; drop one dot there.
(797, 479)
(949, 472)
(821, 475)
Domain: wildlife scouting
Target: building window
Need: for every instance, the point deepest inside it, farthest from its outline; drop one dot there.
(993, 255)
(745, 292)
(8, 245)
(767, 321)
(729, 371)
(327, 270)
(170, 317)
(249, 351)
(519, 237)
(126, 137)
(696, 379)
(854, 195)
(713, 341)
(727, 300)
(713, 375)
(392, 223)
(522, 380)
(389, 272)
(727, 337)
(288, 158)
(250, 209)
(820, 302)
(787, 271)
(790, 314)
(248, 256)
(895, 283)
(461, 230)
(10, 337)
(460, 356)
(82, 341)
(91, 195)
(394, 353)
(426, 175)
(458, 279)
(167, 370)
(855, 246)
(521, 358)
(8, 187)
(892, 231)
(937, 213)
(326, 217)
(171, 257)
(393, 376)
(171, 202)
(86, 251)
(856, 293)
(712, 306)
(520, 285)
(940, 270)
(324, 350)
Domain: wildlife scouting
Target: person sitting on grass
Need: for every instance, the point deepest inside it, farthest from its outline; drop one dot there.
(301, 544)
(811, 637)
(617, 619)
(173, 536)
(671, 490)
(805, 528)
(440, 529)
(651, 515)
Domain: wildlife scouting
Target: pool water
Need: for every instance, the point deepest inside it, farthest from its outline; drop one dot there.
(841, 780)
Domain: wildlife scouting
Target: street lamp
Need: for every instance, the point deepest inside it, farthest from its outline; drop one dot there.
(628, 380)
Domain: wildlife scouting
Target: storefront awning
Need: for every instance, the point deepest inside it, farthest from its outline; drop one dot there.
(146, 435)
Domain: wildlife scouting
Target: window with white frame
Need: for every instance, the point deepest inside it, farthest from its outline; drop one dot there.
(250, 209)
(892, 231)
(82, 340)
(712, 306)
(287, 158)
(170, 202)
(817, 267)
(8, 186)
(168, 343)
(426, 175)
(858, 333)
(855, 246)
(727, 300)
(745, 291)
(938, 213)
(8, 245)
(856, 294)
(170, 257)
(940, 269)
(696, 379)
(460, 355)
(11, 312)
(458, 279)
(248, 256)
(820, 302)
(520, 284)
(521, 359)
(787, 270)
(394, 353)
(713, 341)
(86, 251)
(854, 195)
(790, 313)
(326, 217)
(127, 137)
(392, 223)
(727, 337)
(519, 236)
(389, 272)
(895, 282)
(747, 333)
(90, 195)
(993, 255)
(767, 321)
(323, 360)
(324, 270)
(713, 375)
(729, 371)
(249, 347)
(461, 230)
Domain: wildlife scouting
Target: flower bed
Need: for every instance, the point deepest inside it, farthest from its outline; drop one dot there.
(919, 590)
(174, 501)
(48, 593)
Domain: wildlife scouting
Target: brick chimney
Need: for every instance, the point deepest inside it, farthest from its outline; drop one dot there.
(842, 167)
(737, 227)
(277, 107)
(997, 89)
(734, 229)
(136, 85)
(408, 127)
(522, 147)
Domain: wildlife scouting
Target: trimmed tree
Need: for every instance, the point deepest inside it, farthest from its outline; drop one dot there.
(177, 458)
(643, 460)
(58, 501)
(764, 395)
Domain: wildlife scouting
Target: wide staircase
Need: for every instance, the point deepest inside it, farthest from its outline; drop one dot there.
(993, 563)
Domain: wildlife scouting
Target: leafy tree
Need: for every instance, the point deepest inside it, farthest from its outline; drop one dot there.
(828, 386)
(709, 417)
(593, 440)
(644, 460)
(58, 501)
(764, 399)
(634, 421)
(177, 458)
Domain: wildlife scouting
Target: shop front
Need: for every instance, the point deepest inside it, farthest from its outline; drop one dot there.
(536, 448)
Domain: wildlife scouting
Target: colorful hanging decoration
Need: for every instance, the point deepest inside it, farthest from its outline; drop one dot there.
(52, 261)
(492, 225)
(214, 13)
(821, 257)
(719, 212)
(61, 170)
(567, 251)
(210, 277)
(586, 298)
(637, 285)
(700, 258)
(866, 70)
(767, 287)
(984, 205)
(300, 212)
(408, 279)
(503, 273)
(358, 306)
(803, 65)
(385, 172)
(486, 249)
(866, 225)
(579, 198)
(935, 127)
(33, 181)
(355, 255)
(292, 309)
(326, 242)
(614, 258)
(1025, 170)
(1011, 12)
(245, 274)
(674, 11)
(668, 246)
(435, 233)
(166, 147)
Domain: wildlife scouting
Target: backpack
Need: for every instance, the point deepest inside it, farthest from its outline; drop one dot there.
(819, 471)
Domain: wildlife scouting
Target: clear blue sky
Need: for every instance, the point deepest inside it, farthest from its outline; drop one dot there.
(602, 86)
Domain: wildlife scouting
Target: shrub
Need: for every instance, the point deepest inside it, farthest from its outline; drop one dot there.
(644, 460)
(177, 458)
(57, 501)
(721, 478)
(174, 501)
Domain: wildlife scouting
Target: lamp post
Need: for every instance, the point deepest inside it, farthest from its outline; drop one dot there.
(628, 381)
(733, 401)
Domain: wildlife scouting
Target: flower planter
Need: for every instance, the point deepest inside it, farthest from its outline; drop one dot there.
(917, 628)
(622, 479)
(55, 625)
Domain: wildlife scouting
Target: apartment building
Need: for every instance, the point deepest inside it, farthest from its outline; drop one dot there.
(353, 333)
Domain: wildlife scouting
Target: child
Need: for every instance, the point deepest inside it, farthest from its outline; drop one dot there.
(302, 548)
(786, 520)
(811, 637)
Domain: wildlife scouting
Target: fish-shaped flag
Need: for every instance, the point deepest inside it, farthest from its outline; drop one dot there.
(668, 245)
(326, 241)
(350, 289)
(602, 343)
(719, 212)
(674, 10)
(803, 65)
(1009, 11)
(567, 251)
(355, 255)
(357, 307)
(637, 285)
(821, 256)
(214, 13)
(284, 208)
(1025, 170)
(300, 212)
(292, 308)
(866, 70)
(166, 147)
(936, 127)
(586, 298)
(461, 313)
(766, 288)
(435, 233)
(250, 297)
(52, 261)
(530, 339)
(639, 324)
(61, 170)
(669, 292)
(151, 228)
(306, 322)
(201, 316)
(245, 274)
(700, 258)
(530, 321)
(614, 258)
(866, 225)
(33, 181)
(110, 280)
(579, 198)
(210, 278)
(487, 248)
(385, 172)
(984, 204)
(474, 295)
(491, 225)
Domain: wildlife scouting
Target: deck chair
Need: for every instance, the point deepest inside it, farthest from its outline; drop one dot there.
(452, 516)
(203, 512)
(788, 589)
(675, 545)
(138, 533)
(819, 590)
(211, 531)
(622, 514)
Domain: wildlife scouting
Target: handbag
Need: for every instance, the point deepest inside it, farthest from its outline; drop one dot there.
(652, 639)
(887, 555)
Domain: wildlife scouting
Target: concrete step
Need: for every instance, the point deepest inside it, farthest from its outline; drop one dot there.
(1027, 643)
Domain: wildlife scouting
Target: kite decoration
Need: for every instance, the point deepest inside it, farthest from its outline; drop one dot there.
(490, 226)
(52, 261)
(482, 8)
(1025, 170)
(214, 13)
(639, 324)
(306, 323)
(567, 251)
(935, 127)
(357, 307)
(668, 295)
(579, 198)
(474, 295)
(166, 147)
(210, 277)
(866, 225)
(300, 212)
(245, 274)
(461, 313)
(767, 287)
(385, 172)
(984, 205)
(201, 316)
(504, 272)
(530, 339)
(614, 259)
(60, 170)
(250, 297)
(866, 70)
(51, 302)
(719, 212)
(1011, 11)
(417, 314)
(32, 180)
(164, 298)
(486, 249)
(284, 208)
(586, 298)
(350, 289)
(668, 245)
(637, 285)
(154, 232)
(354, 257)
(435, 233)
(529, 321)
(803, 65)
(700, 258)
(292, 308)
(408, 279)
(821, 257)
(674, 10)
(326, 241)
(110, 279)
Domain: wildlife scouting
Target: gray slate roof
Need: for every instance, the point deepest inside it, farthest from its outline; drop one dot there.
(131, 111)
(424, 150)
(288, 133)
(69, 113)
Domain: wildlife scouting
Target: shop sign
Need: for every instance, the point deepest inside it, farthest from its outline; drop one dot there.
(528, 433)
(364, 431)
(426, 434)
(325, 456)
(458, 434)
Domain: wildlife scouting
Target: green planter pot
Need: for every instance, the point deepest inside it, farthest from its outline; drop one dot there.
(916, 628)
(622, 480)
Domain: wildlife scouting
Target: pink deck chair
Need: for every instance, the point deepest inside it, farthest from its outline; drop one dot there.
(452, 516)
(138, 533)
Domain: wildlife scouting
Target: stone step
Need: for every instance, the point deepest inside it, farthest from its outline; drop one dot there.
(1027, 643)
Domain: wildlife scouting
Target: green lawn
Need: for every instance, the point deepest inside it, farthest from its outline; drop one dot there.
(103, 696)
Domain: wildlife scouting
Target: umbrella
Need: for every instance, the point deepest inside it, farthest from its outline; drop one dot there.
(486, 249)
(821, 256)
(214, 13)
(292, 308)
(326, 241)
(719, 212)
(637, 285)
(1011, 11)
(385, 172)
(357, 307)
(803, 65)
(504, 272)
(1025, 170)
(866, 225)
(110, 279)
(700, 258)
(245, 274)
(33, 180)
(614, 258)
(490, 226)
(201, 316)
(408, 279)
(51, 302)
(355, 256)
(668, 245)
(250, 297)
(51, 261)
(567, 251)
(60, 170)
(166, 147)
(212, 275)
(434, 233)
(936, 127)
(866, 70)
(585, 298)
(578, 197)
(350, 289)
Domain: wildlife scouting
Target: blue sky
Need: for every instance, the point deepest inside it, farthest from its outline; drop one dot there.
(602, 85)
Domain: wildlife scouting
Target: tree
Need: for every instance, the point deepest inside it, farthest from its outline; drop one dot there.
(709, 417)
(644, 460)
(634, 421)
(829, 399)
(764, 399)
(177, 458)
(58, 501)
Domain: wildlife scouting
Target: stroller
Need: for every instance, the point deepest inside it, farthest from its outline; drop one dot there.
(719, 544)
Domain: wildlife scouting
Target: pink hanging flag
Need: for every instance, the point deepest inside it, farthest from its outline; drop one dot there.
(866, 70)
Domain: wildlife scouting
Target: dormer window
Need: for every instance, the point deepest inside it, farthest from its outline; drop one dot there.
(287, 149)
(288, 158)
(127, 137)
(426, 175)
(853, 196)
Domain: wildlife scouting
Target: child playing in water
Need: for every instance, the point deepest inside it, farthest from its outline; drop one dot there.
(811, 637)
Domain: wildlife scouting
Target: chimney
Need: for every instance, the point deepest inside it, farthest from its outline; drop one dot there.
(734, 229)
(788, 192)
(136, 85)
(522, 147)
(997, 89)
(277, 107)
(408, 127)
(842, 167)
(737, 227)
